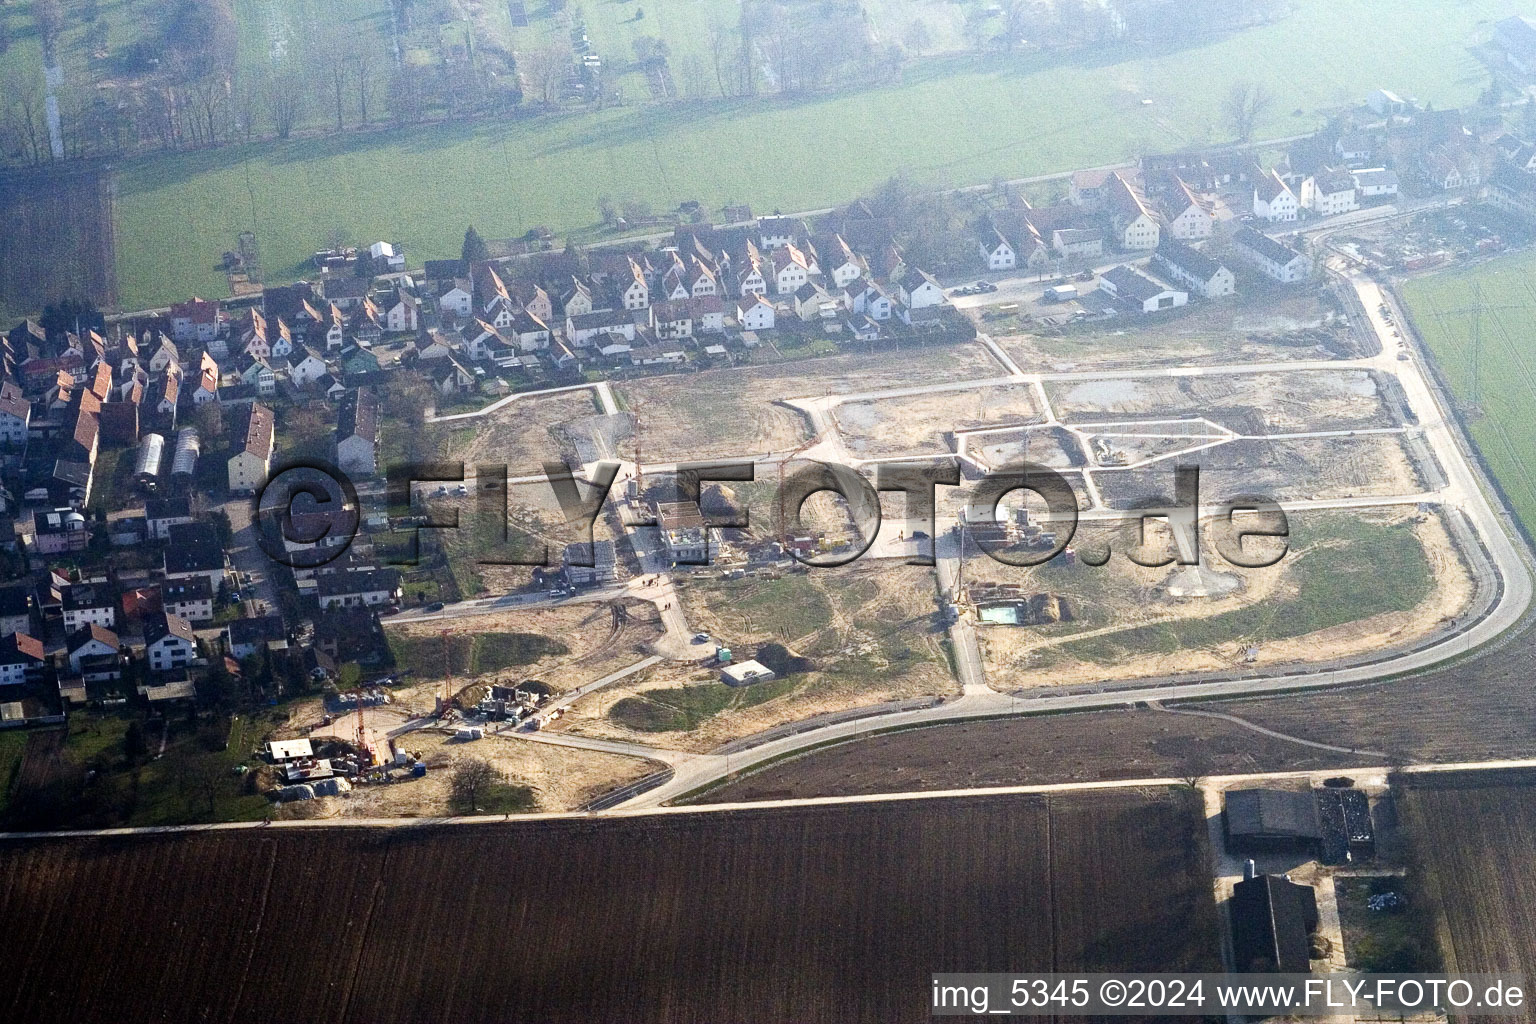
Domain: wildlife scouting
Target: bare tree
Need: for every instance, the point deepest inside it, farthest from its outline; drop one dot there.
(917, 38)
(365, 70)
(470, 779)
(331, 73)
(23, 111)
(247, 104)
(544, 70)
(719, 50)
(1243, 109)
(285, 102)
(210, 98)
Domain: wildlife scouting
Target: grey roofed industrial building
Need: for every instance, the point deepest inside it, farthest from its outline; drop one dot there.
(1269, 816)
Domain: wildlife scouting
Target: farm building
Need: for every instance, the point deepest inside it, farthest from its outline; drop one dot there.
(1259, 820)
(1348, 835)
(1271, 919)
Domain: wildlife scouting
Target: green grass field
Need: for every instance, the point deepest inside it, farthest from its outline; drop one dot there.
(1502, 420)
(953, 119)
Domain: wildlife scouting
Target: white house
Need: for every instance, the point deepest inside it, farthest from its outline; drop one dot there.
(1135, 223)
(1273, 200)
(357, 426)
(169, 642)
(1372, 182)
(21, 658)
(94, 652)
(15, 416)
(1275, 259)
(582, 328)
(84, 604)
(1136, 289)
(995, 250)
(1195, 270)
(249, 466)
(919, 290)
(455, 298)
(1329, 192)
(791, 270)
(305, 365)
(190, 599)
(754, 313)
(1188, 218)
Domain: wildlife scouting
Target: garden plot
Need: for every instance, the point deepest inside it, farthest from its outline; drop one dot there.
(1255, 403)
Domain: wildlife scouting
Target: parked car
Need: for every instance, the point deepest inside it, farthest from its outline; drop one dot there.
(435, 606)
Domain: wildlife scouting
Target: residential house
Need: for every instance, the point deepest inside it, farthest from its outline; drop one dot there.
(996, 252)
(754, 313)
(15, 416)
(18, 609)
(193, 549)
(196, 321)
(455, 298)
(1274, 258)
(21, 659)
(1187, 215)
(191, 598)
(1273, 199)
(777, 232)
(1089, 189)
(59, 531)
(1139, 291)
(169, 643)
(450, 377)
(347, 293)
(672, 319)
(812, 302)
(790, 269)
(1136, 226)
(631, 288)
(1329, 192)
(160, 514)
(1374, 182)
(95, 654)
(305, 366)
(1186, 265)
(252, 460)
(81, 604)
(246, 637)
(357, 425)
(837, 261)
(582, 328)
(532, 333)
(1077, 243)
(166, 358)
(1448, 168)
(919, 290)
(358, 588)
(402, 312)
(1354, 148)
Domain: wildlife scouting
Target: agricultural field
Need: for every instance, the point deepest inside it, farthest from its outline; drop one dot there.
(845, 912)
(734, 413)
(1470, 840)
(868, 632)
(1330, 597)
(950, 119)
(1499, 407)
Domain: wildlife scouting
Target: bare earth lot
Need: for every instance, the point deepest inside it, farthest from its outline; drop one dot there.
(527, 432)
(870, 632)
(1263, 326)
(1375, 465)
(917, 424)
(815, 914)
(1256, 403)
(730, 412)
